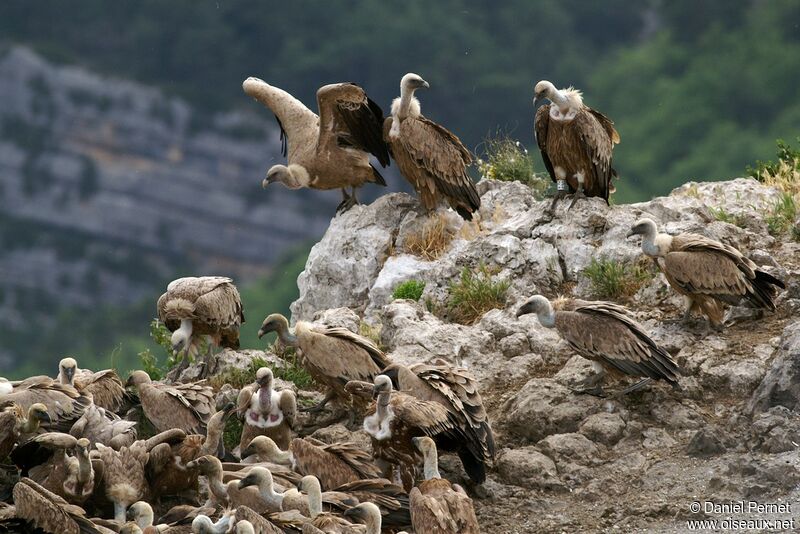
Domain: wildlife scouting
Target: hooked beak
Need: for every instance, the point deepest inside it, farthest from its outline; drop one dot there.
(268, 180)
(130, 514)
(525, 309)
(261, 333)
(45, 418)
(425, 84)
(632, 233)
(354, 513)
(246, 482)
(191, 465)
(248, 451)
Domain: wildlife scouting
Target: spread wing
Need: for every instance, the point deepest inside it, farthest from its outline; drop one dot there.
(540, 124)
(347, 113)
(105, 387)
(605, 332)
(48, 511)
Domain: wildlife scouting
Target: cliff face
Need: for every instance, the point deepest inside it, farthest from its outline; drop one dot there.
(108, 188)
(572, 461)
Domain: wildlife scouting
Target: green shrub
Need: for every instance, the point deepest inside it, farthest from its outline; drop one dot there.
(507, 160)
(474, 294)
(613, 279)
(781, 217)
(787, 156)
(721, 214)
(410, 289)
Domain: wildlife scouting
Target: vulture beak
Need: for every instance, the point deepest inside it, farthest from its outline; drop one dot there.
(631, 233)
(191, 465)
(353, 513)
(525, 309)
(246, 482)
(248, 451)
(375, 392)
(129, 382)
(261, 333)
(130, 515)
(425, 84)
(45, 418)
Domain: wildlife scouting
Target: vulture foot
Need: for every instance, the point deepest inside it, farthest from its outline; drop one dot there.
(595, 391)
(556, 197)
(348, 201)
(209, 363)
(578, 194)
(176, 372)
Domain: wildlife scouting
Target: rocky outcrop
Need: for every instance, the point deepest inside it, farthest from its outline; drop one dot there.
(730, 432)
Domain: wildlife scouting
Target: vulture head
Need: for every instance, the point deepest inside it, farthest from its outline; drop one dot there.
(544, 90)
(412, 82)
(294, 176)
(264, 447)
(66, 370)
(259, 477)
(273, 323)
(264, 376)
(367, 513)
(138, 378)
(82, 447)
(140, 513)
(202, 524)
(645, 227)
(206, 465)
(539, 305)
(565, 99)
(38, 413)
(427, 447)
(383, 384)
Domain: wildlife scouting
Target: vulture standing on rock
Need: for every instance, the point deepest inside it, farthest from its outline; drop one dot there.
(194, 307)
(607, 335)
(429, 156)
(709, 274)
(457, 390)
(64, 403)
(399, 417)
(105, 386)
(576, 143)
(333, 356)
(266, 412)
(437, 506)
(330, 151)
(184, 406)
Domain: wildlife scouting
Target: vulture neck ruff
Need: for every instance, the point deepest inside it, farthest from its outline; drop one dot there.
(656, 245)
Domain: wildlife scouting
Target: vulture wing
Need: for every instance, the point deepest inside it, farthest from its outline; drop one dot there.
(261, 524)
(540, 124)
(48, 511)
(429, 514)
(347, 113)
(430, 417)
(597, 142)
(358, 358)
(64, 403)
(105, 387)
(221, 310)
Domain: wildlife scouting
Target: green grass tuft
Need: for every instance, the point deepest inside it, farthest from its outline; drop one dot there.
(410, 289)
(507, 160)
(474, 294)
(721, 214)
(781, 218)
(613, 279)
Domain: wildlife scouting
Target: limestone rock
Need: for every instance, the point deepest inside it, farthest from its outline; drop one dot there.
(781, 385)
(605, 428)
(529, 468)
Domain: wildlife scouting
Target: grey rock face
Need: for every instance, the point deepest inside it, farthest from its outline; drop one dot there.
(529, 468)
(781, 385)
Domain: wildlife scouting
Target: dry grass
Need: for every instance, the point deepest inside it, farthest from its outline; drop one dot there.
(373, 333)
(431, 240)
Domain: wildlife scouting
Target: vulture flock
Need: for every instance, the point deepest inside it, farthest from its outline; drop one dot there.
(89, 453)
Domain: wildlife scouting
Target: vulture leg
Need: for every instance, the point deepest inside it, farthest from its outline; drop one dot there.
(176, 372)
(319, 407)
(591, 385)
(209, 362)
(556, 197)
(348, 201)
(578, 193)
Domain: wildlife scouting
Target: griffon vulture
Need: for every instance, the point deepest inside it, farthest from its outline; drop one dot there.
(330, 151)
(333, 356)
(428, 155)
(399, 417)
(457, 390)
(437, 506)
(391, 499)
(266, 412)
(47, 511)
(202, 524)
(105, 386)
(64, 403)
(196, 307)
(17, 425)
(608, 336)
(709, 274)
(103, 426)
(576, 143)
(184, 406)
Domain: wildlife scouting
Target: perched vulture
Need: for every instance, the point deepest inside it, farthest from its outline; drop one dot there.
(65, 404)
(105, 386)
(709, 274)
(576, 143)
(102, 426)
(391, 499)
(428, 155)
(330, 151)
(230, 494)
(44, 460)
(608, 336)
(141, 513)
(17, 425)
(332, 355)
(47, 511)
(266, 412)
(184, 406)
(196, 307)
(457, 390)
(399, 417)
(437, 506)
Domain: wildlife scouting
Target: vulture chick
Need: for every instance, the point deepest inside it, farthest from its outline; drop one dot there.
(330, 151)
(105, 387)
(17, 425)
(709, 274)
(437, 506)
(333, 464)
(428, 155)
(47, 511)
(457, 390)
(576, 143)
(64, 403)
(332, 355)
(266, 412)
(45, 460)
(399, 417)
(197, 307)
(102, 426)
(607, 335)
(184, 406)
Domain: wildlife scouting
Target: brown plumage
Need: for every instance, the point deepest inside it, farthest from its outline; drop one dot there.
(429, 156)
(266, 412)
(45, 460)
(575, 141)
(184, 406)
(49, 512)
(437, 506)
(196, 307)
(330, 151)
(457, 390)
(708, 273)
(398, 418)
(333, 356)
(391, 499)
(17, 425)
(333, 464)
(65, 404)
(102, 426)
(605, 333)
(105, 387)
(260, 524)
